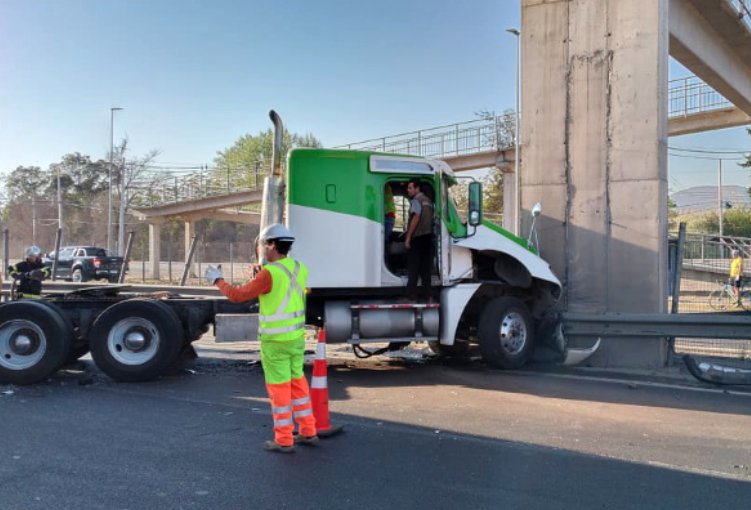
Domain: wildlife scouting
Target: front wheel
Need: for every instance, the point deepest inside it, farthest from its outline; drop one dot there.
(719, 299)
(505, 333)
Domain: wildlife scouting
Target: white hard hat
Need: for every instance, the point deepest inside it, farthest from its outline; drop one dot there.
(33, 251)
(736, 253)
(276, 232)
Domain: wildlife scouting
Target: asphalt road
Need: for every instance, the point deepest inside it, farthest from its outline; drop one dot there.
(417, 435)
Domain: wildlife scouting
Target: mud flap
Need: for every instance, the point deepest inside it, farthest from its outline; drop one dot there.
(715, 373)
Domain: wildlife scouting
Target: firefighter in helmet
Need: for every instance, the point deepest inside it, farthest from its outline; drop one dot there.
(29, 274)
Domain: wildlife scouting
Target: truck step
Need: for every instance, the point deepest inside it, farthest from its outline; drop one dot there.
(387, 306)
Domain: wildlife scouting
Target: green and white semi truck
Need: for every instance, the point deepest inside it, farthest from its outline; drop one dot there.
(489, 286)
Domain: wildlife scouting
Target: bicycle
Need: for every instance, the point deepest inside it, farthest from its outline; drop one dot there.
(724, 298)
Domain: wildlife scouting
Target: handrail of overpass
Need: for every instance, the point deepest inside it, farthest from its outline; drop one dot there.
(742, 7)
(691, 96)
(687, 96)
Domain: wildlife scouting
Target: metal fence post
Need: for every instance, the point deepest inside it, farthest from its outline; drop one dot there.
(126, 257)
(189, 260)
(6, 256)
(58, 239)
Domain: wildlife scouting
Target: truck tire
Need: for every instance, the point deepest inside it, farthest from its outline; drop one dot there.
(505, 333)
(77, 275)
(136, 340)
(35, 341)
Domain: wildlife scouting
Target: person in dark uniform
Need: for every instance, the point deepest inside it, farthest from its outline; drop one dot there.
(29, 273)
(419, 240)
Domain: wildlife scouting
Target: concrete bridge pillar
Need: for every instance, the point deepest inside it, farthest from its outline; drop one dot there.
(155, 245)
(594, 153)
(509, 199)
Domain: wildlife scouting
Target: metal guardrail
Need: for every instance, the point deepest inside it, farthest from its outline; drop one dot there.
(690, 325)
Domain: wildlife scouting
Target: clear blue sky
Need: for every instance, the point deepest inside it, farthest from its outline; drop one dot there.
(193, 76)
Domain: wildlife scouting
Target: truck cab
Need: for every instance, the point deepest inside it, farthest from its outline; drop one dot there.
(489, 286)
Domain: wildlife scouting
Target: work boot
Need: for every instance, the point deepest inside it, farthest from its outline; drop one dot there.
(306, 440)
(273, 446)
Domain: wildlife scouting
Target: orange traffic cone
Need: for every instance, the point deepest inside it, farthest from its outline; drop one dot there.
(319, 391)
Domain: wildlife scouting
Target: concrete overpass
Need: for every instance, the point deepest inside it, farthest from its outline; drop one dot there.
(594, 140)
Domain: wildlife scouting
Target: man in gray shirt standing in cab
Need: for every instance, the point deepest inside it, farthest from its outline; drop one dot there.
(419, 241)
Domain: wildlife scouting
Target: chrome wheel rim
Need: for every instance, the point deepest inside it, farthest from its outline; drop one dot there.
(133, 341)
(513, 333)
(22, 344)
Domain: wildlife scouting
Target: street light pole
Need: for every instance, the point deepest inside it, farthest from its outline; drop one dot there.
(517, 145)
(109, 182)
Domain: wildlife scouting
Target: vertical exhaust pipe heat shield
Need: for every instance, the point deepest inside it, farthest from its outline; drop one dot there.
(273, 184)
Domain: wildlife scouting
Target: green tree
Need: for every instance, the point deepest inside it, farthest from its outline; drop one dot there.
(26, 182)
(492, 191)
(239, 162)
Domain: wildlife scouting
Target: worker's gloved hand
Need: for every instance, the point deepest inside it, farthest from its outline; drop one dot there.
(37, 274)
(213, 274)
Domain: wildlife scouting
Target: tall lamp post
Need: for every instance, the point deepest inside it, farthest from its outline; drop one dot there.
(517, 145)
(109, 184)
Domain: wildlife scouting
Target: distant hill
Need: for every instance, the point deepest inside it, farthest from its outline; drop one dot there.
(704, 198)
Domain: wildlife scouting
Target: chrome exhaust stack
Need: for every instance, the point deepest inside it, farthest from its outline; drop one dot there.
(272, 207)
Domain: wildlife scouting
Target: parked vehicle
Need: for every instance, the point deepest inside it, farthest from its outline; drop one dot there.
(84, 263)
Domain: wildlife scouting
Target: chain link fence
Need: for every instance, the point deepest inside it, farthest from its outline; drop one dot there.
(704, 288)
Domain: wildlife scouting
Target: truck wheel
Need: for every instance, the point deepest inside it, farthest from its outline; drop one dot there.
(35, 340)
(505, 333)
(457, 350)
(77, 275)
(136, 340)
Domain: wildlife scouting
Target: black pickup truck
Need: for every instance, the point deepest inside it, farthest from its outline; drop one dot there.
(84, 263)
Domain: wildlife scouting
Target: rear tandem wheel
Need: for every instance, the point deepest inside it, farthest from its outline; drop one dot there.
(35, 341)
(136, 340)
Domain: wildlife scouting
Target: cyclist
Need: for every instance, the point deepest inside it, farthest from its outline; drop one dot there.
(736, 275)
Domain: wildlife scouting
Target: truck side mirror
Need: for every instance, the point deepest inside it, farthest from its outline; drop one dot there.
(474, 201)
(536, 209)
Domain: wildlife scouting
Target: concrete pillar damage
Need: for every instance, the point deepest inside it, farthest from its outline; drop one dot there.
(594, 152)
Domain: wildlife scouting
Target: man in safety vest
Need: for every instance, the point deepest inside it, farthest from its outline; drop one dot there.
(280, 289)
(29, 273)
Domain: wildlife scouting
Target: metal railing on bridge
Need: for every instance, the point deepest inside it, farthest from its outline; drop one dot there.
(691, 96)
(490, 133)
(687, 96)
(743, 8)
